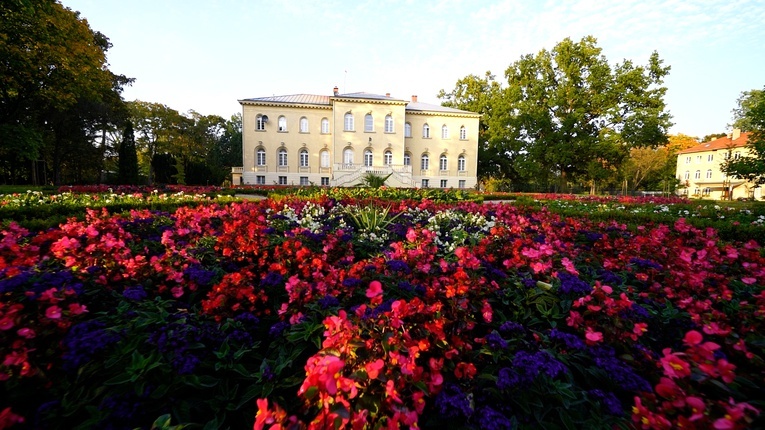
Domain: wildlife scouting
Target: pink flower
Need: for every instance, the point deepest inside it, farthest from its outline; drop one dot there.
(674, 366)
(373, 368)
(693, 338)
(748, 281)
(374, 290)
(697, 407)
(593, 336)
(26, 333)
(77, 309)
(53, 312)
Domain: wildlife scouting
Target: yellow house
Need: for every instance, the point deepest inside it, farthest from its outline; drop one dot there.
(700, 175)
(306, 139)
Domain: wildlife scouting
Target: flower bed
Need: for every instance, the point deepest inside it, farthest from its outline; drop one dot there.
(331, 313)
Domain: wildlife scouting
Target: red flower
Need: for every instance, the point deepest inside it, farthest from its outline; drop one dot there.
(674, 366)
(53, 312)
(373, 368)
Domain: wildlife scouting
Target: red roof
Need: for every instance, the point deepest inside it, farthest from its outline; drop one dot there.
(719, 143)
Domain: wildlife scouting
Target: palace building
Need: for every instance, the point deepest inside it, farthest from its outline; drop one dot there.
(334, 140)
(700, 174)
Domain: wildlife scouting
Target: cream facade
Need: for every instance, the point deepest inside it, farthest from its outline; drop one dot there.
(700, 174)
(335, 140)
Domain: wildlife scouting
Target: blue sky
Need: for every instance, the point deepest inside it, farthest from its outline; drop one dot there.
(205, 55)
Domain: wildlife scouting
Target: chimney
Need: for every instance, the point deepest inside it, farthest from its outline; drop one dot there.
(414, 99)
(387, 94)
(736, 133)
(334, 90)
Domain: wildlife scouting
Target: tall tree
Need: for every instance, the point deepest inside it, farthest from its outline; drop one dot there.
(55, 85)
(751, 166)
(746, 101)
(128, 158)
(156, 126)
(567, 115)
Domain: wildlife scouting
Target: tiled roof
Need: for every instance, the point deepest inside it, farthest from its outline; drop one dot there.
(313, 99)
(305, 99)
(717, 144)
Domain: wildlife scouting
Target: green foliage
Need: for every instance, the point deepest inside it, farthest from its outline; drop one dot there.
(751, 166)
(128, 158)
(742, 118)
(372, 180)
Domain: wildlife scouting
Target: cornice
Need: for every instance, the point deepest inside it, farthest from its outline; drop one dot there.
(437, 113)
(372, 101)
(284, 105)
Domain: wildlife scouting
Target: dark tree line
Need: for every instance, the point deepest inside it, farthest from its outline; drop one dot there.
(63, 119)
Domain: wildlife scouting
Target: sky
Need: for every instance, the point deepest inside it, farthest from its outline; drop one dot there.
(205, 55)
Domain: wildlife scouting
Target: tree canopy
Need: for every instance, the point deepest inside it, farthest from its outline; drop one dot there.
(745, 103)
(56, 92)
(751, 166)
(566, 115)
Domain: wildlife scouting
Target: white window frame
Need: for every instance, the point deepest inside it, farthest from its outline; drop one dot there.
(324, 159)
(444, 131)
(282, 158)
(324, 181)
(407, 159)
(426, 131)
(710, 157)
(348, 156)
(324, 126)
(444, 183)
(709, 174)
(697, 174)
(369, 123)
(368, 158)
(424, 162)
(282, 180)
(304, 181)
(304, 125)
(260, 180)
(461, 163)
(736, 155)
(425, 183)
(407, 129)
(260, 125)
(461, 183)
(687, 175)
(348, 124)
(443, 162)
(260, 157)
(303, 158)
(388, 157)
(463, 133)
(688, 160)
(389, 124)
(282, 123)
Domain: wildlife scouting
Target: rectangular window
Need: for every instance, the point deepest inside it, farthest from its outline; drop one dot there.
(261, 158)
(407, 130)
(325, 126)
(697, 175)
(698, 158)
(282, 180)
(389, 124)
(687, 160)
(325, 181)
(443, 163)
(304, 180)
(737, 155)
(461, 164)
(368, 123)
(710, 157)
(425, 183)
(462, 183)
(260, 180)
(444, 132)
(463, 133)
(709, 174)
(443, 183)
(303, 158)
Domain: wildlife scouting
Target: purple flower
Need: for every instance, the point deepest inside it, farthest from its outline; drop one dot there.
(619, 372)
(135, 293)
(526, 367)
(272, 279)
(511, 326)
(398, 266)
(490, 419)
(328, 302)
(277, 329)
(451, 402)
(84, 341)
(571, 341)
(571, 284)
(495, 341)
(609, 401)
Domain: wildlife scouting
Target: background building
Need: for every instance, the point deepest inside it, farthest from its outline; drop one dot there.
(306, 139)
(700, 174)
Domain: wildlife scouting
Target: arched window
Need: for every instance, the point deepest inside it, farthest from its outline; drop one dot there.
(304, 125)
(325, 125)
(260, 157)
(368, 158)
(388, 157)
(424, 162)
(709, 174)
(444, 132)
(260, 122)
(407, 130)
(461, 163)
(369, 123)
(426, 131)
(687, 175)
(697, 175)
(348, 122)
(282, 123)
(348, 156)
(303, 158)
(324, 157)
(282, 157)
(388, 124)
(463, 133)
(407, 159)
(443, 163)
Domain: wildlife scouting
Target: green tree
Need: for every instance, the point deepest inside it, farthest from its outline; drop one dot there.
(55, 89)
(128, 158)
(567, 116)
(751, 166)
(156, 127)
(745, 103)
